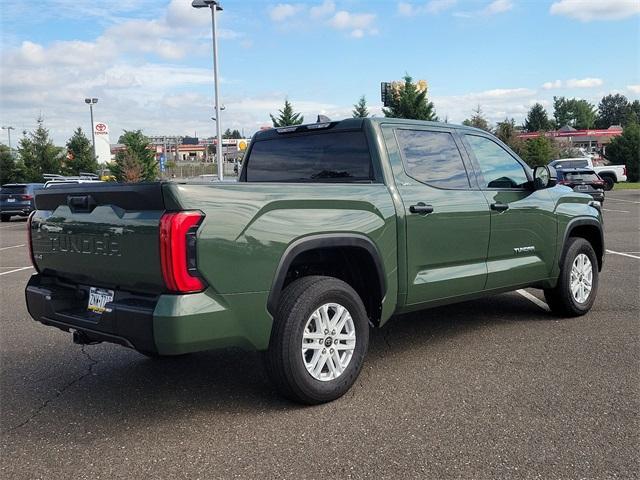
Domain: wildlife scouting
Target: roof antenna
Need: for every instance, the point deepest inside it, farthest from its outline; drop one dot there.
(323, 119)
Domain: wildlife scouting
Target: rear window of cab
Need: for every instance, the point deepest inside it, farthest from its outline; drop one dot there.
(327, 157)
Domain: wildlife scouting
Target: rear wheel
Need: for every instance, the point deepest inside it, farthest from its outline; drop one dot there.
(5, 218)
(577, 286)
(319, 340)
(609, 182)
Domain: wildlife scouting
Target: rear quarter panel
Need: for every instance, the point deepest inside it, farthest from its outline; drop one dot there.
(248, 227)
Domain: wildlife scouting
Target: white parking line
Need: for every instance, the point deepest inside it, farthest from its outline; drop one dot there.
(621, 200)
(623, 254)
(534, 299)
(610, 210)
(16, 270)
(13, 246)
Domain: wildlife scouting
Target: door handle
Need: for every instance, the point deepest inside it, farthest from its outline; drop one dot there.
(499, 207)
(421, 208)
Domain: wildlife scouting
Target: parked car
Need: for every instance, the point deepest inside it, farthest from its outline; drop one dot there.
(610, 174)
(583, 180)
(54, 179)
(331, 228)
(17, 199)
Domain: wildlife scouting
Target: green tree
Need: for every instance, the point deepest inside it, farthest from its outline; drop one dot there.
(38, 154)
(537, 119)
(409, 102)
(360, 109)
(625, 150)
(538, 151)
(478, 120)
(506, 131)
(633, 114)
(80, 154)
(236, 134)
(584, 115)
(287, 116)
(136, 162)
(612, 110)
(562, 111)
(576, 113)
(10, 170)
(227, 133)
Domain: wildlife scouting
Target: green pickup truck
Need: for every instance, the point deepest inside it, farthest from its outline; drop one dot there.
(332, 228)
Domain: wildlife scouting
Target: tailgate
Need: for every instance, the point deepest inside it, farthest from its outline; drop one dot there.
(103, 235)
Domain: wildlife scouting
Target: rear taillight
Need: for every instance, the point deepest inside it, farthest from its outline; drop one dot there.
(624, 170)
(178, 251)
(26, 197)
(562, 182)
(30, 239)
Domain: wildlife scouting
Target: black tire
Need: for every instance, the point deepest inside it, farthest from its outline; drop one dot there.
(560, 299)
(284, 358)
(609, 182)
(5, 218)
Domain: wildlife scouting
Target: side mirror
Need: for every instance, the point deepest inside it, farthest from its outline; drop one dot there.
(544, 176)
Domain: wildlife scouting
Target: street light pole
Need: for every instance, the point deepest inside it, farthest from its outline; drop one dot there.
(8, 129)
(91, 102)
(215, 7)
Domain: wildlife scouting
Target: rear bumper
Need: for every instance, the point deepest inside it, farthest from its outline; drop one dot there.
(16, 210)
(162, 324)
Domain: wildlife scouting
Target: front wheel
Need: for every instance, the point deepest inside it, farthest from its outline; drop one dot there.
(578, 282)
(319, 340)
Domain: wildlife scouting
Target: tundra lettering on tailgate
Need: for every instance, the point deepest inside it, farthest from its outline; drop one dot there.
(88, 244)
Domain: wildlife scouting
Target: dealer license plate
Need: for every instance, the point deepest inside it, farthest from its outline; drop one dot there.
(98, 298)
(583, 187)
(11, 200)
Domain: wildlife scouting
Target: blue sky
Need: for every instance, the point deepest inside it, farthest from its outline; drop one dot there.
(149, 62)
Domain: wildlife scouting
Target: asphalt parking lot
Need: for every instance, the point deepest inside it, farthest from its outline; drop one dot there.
(486, 389)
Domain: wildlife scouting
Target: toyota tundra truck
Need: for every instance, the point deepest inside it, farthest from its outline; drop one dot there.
(332, 229)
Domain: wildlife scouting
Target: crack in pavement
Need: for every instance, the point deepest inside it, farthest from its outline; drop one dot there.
(58, 393)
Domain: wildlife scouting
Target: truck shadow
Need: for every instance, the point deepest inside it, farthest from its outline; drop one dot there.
(129, 389)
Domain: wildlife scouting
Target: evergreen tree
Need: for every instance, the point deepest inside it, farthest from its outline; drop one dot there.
(506, 131)
(633, 114)
(137, 162)
(287, 116)
(537, 119)
(236, 134)
(38, 154)
(409, 102)
(80, 154)
(478, 120)
(10, 171)
(612, 110)
(625, 150)
(561, 111)
(227, 133)
(360, 109)
(538, 151)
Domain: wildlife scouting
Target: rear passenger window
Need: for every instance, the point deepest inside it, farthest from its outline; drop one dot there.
(433, 158)
(324, 157)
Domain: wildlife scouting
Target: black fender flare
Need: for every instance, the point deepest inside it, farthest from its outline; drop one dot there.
(313, 242)
(577, 222)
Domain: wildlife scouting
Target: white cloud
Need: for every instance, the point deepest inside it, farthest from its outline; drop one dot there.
(552, 85)
(357, 23)
(433, 7)
(282, 11)
(589, 10)
(584, 82)
(634, 89)
(498, 6)
(325, 9)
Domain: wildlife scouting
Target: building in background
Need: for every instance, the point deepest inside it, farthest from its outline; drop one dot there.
(593, 141)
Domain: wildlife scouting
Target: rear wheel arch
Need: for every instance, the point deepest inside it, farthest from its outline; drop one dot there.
(353, 258)
(589, 229)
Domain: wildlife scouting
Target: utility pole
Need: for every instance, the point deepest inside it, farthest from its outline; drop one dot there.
(8, 129)
(215, 7)
(91, 102)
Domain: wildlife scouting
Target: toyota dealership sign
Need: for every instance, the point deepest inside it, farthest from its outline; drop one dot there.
(101, 134)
